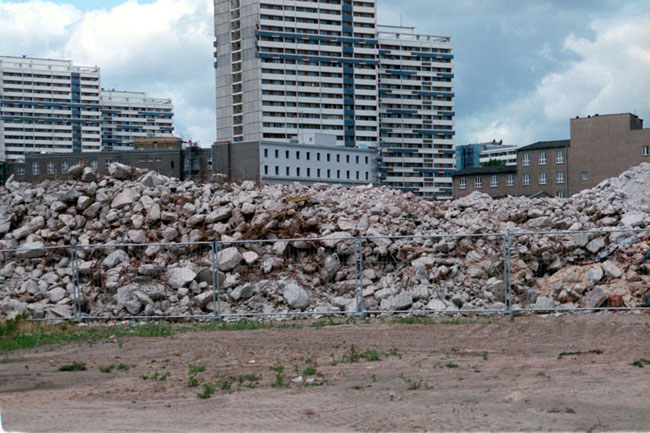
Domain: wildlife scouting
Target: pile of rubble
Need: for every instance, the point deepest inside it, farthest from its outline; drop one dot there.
(318, 247)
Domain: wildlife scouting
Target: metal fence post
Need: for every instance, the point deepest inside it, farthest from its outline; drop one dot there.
(506, 280)
(76, 294)
(358, 257)
(216, 281)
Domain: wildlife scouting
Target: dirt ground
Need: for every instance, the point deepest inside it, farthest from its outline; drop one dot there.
(536, 373)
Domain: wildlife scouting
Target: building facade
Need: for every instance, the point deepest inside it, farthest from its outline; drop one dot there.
(54, 106)
(281, 162)
(600, 147)
(500, 153)
(416, 111)
(289, 69)
(478, 154)
(127, 116)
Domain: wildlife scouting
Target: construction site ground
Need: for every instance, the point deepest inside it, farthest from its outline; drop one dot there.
(566, 372)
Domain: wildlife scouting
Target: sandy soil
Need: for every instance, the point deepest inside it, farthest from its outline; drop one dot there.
(489, 374)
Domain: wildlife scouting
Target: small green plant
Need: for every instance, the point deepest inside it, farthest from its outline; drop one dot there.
(143, 377)
(485, 356)
(352, 355)
(192, 382)
(107, 369)
(371, 355)
(309, 371)
(208, 390)
(252, 380)
(193, 369)
(75, 366)
(413, 384)
(225, 383)
(357, 387)
(640, 362)
(451, 365)
(373, 378)
(413, 320)
(123, 367)
(327, 322)
(394, 352)
(279, 377)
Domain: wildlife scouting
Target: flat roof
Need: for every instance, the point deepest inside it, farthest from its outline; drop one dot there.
(546, 145)
(489, 169)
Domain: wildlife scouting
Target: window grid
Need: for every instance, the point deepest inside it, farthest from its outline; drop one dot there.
(525, 159)
(542, 178)
(478, 182)
(542, 158)
(559, 157)
(493, 181)
(559, 177)
(526, 179)
(510, 180)
(462, 183)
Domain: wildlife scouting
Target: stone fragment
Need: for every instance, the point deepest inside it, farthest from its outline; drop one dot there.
(595, 298)
(123, 199)
(56, 294)
(596, 244)
(611, 270)
(120, 171)
(544, 303)
(116, 257)
(296, 296)
(229, 258)
(594, 274)
(179, 277)
(250, 257)
(88, 175)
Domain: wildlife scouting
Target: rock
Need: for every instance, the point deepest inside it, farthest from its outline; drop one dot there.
(179, 277)
(611, 270)
(544, 303)
(204, 299)
(116, 257)
(595, 298)
(229, 258)
(596, 244)
(31, 249)
(56, 294)
(514, 397)
(76, 171)
(123, 199)
(594, 274)
(120, 171)
(244, 291)
(137, 236)
(633, 220)
(250, 257)
(296, 296)
(88, 175)
(401, 302)
(126, 299)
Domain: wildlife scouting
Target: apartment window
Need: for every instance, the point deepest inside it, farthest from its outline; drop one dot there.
(478, 182)
(50, 168)
(277, 153)
(297, 154)
(366, 160)
(559, 157)
(297, 171)
(329, 172)
(366, 175)
(542, 178)
(347, 158)
(510, 180)
(338, 158)
(308, 155)
(462, 184)
(21, 170)
(493, 181)
(287, 171)
(584, 175)
(357, 159)
(35, 170)
(542, 158)
(525, 159)
(328, 157)
(525, 179)
(559, 177)
(338, 174)
(318, 172)
(286, 154)
(277, 170)
(64, 166)
(560, 194)
(94, 164)
(266, 153)
(308, 172)
(645, 150)
(318, 156)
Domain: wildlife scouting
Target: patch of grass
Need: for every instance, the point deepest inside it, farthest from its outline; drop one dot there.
(326, 322)
(246, 324)
(413, 384)
(640, 362)
(75, 366)
(252, 379)
(451, 365)
(309, 371)
(107, 369)
(457, 321)
(394, 352)
(413, 320)
(123, 367)
(7, 360)
(358, 387)
(594, 351)
(208, 390)
(279, 377)
(159, 377)
(352, 355)
(371, 355)
(192, 382)
(143, 377)
(485, 356)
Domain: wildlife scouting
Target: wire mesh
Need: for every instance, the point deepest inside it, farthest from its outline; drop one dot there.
(39, 281)
(287, 277)
(586, 270)
(434, 274)
(148, 280)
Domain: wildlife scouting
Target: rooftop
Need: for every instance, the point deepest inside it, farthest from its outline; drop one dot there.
(490, 169)
(547, 145)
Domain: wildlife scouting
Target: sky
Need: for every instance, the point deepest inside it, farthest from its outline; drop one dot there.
(522, 68)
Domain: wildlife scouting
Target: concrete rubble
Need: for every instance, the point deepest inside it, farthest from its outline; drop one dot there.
(424, 270)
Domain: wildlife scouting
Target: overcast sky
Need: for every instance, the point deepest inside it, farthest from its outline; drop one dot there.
(522, 68)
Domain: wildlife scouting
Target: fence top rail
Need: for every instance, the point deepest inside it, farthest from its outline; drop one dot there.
(312, 239)
(152, 244)
(432, 236)
(43, 248)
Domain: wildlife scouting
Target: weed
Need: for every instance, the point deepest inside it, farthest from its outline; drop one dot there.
(309, 371)
(123, 367)
(352, 355)
(640, 362)
(451, 365)
(193, 369)
(413, 384)
(373, 378)
(413, 320)
(328, 322)
(485, 356)
(208, 390)
(279, 377)
(107, 369)
(143, 377)
(75, 366)
(224, 384)
(371, 355)
(594, 351)
(192, 382)
(394, 352)
(250, 378)
(357, 387)
(457, 321)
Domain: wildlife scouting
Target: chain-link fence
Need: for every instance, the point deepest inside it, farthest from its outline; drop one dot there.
(332, 275)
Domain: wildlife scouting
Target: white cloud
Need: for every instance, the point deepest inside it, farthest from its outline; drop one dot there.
(163, 48)
(610, 74)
